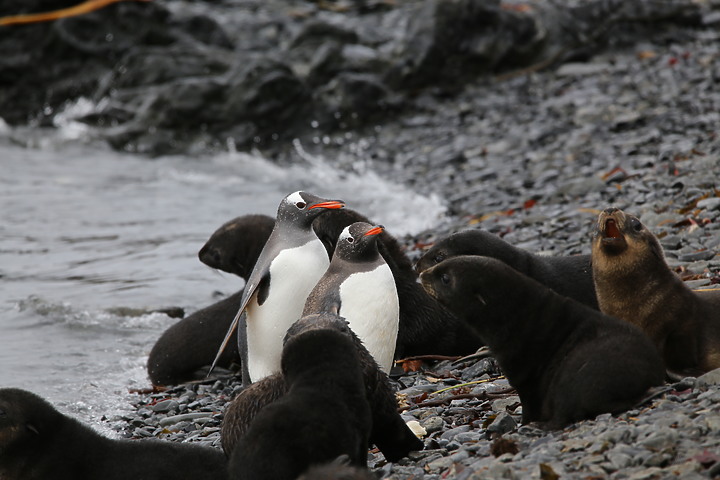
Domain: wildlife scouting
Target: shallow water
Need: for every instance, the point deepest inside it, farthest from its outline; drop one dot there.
(85, 230)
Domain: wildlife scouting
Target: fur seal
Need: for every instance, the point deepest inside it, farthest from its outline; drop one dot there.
(190, 344)
(236, 245)
(570, 275)
(290, 264)
(389, 432)
(634, 283)
(323, 415)
(359, 286)
(567, 361)
(39, 443)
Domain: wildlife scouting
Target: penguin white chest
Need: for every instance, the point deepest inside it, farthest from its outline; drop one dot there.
(369, 303)
(293, 274)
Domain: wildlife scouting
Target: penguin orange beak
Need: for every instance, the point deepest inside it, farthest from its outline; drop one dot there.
(375, 230)
(332, 204)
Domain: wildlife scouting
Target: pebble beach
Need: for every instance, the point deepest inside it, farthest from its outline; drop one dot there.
(534, 156)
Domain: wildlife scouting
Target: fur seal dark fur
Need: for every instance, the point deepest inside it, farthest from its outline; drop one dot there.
(323, 415)
(191, 343)
(567, 361)
(570, 275)
(389, 432)
(39, 443)
(634, 283)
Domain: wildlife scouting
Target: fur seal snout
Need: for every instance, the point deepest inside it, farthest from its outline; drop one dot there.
(567, 361)
(634, 283)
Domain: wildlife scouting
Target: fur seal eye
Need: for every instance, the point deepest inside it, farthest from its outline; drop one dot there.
(2, 412)
(439, 257)
(300, 205)
(635, 224)
(445, 279)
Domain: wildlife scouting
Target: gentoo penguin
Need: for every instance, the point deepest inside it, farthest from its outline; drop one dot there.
(360, 287)
(426, 326)
(188, 346)
(290, 264)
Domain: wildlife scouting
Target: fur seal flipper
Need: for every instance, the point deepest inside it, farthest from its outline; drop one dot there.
(323, 415)
(389, 432)
(39, 443)
(567, 361)
(570, 276)
(634, 283)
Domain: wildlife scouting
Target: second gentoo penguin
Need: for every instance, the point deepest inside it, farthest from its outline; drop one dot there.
(290, 264)
(360, 287)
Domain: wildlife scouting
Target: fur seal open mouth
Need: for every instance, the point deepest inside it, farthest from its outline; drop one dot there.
(611, 236)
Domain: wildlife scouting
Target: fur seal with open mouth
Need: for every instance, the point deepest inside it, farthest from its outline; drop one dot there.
(567, 361)
(634, 283)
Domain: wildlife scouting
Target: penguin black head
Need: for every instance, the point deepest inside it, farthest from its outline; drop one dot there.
(358, 242)
(301, 208)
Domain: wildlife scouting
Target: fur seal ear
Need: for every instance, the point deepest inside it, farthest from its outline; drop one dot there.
(481, 299)
(32, 428)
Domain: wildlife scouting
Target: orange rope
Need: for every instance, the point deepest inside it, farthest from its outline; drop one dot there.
(83, 8)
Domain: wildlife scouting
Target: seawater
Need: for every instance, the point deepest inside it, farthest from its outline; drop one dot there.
(86, 232)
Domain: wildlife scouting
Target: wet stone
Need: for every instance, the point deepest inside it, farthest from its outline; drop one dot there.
(165, 406)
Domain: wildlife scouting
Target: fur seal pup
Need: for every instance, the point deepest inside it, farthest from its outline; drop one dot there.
(190, 344)
(290, 264)
(570, 275)
(389, 431)
(39, 443)
(567, 361)
(236, 245)
(359, 286)
(323, 415)
(634, 283)
(425, 326)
